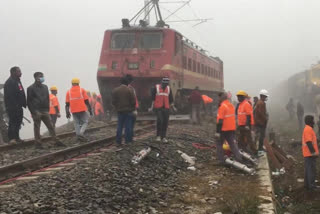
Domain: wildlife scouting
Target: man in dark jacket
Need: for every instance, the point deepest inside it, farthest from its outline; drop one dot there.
(15, 99)
(38, 104)
(195, 100)
(300, 113)
(124, 102)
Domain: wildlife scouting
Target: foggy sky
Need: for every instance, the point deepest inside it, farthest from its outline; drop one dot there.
(260, 41)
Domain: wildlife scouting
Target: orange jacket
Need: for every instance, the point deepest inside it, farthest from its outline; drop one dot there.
(226, 112)
(244, 110)
(53, 103)
(76, 97)
(206, 99)
(98, 109)
(162, 97)
(309, 135)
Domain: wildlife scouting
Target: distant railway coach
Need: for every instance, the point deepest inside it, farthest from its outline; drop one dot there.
(150, 53)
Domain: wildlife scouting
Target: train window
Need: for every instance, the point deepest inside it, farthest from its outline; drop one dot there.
(205, 70)
(114, 65)
(202, 68)
(194, 66)
(214, 73)
(198, 70)
(151, 40)
(184, 62)
(123, 40)
(152, 64)
(189, 64)
(133, 65)
(178, 44)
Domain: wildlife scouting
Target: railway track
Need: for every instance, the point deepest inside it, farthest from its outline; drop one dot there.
(27, 143)
(35, 164)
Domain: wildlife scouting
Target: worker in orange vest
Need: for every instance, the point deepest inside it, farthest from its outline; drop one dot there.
(54, 110)
(93, 101)
(77, 102)
(162, 101)
(310, 152)
(99, 112)
(207, 101)
(245, 122)
(226, 126)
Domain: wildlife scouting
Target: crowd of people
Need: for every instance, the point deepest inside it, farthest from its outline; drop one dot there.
(45, 107)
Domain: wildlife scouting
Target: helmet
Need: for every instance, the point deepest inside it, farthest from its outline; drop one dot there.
(226, 147)
(94, 94)
(75, 81)
(242, 93)
(264, 92)
(53, 88)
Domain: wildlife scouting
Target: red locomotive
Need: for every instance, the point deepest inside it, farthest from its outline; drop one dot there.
(150, 53)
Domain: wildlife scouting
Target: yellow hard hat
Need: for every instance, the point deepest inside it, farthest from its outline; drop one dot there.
(53, 88)
(94, 94)
(226, 147)
(75, 81)
(242, 93)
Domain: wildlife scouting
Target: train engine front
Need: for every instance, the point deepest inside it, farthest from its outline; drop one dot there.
(139, 51)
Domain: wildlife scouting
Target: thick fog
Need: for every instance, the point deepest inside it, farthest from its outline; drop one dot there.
(261, 42)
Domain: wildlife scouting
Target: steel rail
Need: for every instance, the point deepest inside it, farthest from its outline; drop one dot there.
(31, 142)
(33, 164)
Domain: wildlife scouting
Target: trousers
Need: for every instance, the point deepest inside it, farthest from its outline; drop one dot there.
(309, 172)
(44, 117)
(15, 121)
(162, 121)
(229, 136)
(245, 139)
(125, 120)
(261, 131)
(53, 119)
(80, 121)
(195, 113)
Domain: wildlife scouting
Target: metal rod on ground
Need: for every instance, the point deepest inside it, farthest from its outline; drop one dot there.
(140, 155)
(240, 166)
(248, 157)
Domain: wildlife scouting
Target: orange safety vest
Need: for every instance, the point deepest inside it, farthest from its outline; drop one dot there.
(53, 103)
(206, 99)
(76, 97)
(162, 97)
(99, 109)
(309, 135)
(244, 110)
(135, 95)
(226, 112)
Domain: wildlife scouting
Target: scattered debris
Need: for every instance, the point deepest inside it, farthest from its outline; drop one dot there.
(240, 166)
(140, 155)
(187, 158)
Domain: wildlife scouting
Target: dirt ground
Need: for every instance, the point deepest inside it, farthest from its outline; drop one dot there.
(291, 197)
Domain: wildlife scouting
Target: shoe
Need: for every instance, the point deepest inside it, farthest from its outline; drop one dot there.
(82, 138)
(39, 146)
(261, 153)
(59, 143)
(13, 141)
(164, 140)
(158, 139)
(20, 140)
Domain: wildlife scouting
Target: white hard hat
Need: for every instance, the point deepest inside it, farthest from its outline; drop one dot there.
(264, 92)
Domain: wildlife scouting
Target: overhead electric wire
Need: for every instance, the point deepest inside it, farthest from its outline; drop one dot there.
(182, 6)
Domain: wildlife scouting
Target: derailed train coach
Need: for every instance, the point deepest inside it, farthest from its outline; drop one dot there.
(150, 53)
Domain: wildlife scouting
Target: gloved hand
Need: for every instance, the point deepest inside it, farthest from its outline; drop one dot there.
(58, 115)
(68, 114)
(90, 111)
(247, 128)
(135, 113)
(217, 135)
(174, 108)
(150, 109)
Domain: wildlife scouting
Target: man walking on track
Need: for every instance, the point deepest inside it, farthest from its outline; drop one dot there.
(54, 105)
(78, 103)
(15, 101)
(38, 104)
(226, 126)
(162, 98)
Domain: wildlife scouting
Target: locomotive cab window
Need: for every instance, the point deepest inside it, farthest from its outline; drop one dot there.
(123, 40)
(151, 40)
